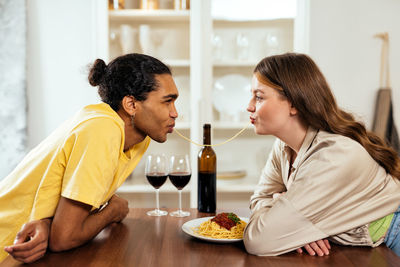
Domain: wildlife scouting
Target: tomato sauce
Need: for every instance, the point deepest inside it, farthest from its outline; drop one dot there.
(223, 220)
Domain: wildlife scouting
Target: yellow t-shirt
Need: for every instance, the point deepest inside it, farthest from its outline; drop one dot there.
(83, 160)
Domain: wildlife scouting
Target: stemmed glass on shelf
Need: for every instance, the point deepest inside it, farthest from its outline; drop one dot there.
(157, 173)
(179, 175)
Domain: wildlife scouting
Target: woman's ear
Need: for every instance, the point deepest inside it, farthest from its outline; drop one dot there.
(293, 110)
(129, 105)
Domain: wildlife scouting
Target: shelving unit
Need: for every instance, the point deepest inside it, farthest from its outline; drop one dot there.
(140, 15)
(183, 39)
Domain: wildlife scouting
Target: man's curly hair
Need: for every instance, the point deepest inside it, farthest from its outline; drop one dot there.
(128, 75)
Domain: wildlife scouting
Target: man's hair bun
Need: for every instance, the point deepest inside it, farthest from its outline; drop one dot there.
(97, 72)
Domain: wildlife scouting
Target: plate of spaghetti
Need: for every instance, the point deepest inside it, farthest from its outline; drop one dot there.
(222, 228)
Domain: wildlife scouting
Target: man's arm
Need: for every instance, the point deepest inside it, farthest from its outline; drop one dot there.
(73, 224)
(30, 244)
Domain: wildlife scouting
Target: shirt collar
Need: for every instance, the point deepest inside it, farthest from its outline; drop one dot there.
(310, 136)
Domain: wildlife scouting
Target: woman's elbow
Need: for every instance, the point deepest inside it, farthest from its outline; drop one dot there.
(254, 246)
(256, 243)
(251, 247)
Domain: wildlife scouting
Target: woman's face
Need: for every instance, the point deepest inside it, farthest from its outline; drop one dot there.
(270, 112)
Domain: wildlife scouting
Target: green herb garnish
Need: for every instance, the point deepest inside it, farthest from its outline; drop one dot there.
(233, 217)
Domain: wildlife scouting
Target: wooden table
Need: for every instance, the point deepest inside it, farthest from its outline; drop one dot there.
(142, 240)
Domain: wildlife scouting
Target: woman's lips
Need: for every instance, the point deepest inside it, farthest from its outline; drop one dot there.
(252, 120)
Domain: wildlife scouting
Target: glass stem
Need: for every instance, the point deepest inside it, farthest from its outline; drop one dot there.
(180, 200)
(157, 200)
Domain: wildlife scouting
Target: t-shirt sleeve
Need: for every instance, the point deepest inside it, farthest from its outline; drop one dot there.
(271, 180)
(91, 154)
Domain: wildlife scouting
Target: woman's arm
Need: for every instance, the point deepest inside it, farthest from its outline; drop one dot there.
(328, 196)
(319, 247)
(279, 229)
(271, 180)
(73, 224)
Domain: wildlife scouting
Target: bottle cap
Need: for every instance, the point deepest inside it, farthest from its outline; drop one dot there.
(207, 125)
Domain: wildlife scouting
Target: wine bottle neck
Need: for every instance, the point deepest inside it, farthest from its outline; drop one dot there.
(206, 136)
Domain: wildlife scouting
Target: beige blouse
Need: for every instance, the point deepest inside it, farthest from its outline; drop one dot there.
(335, 189)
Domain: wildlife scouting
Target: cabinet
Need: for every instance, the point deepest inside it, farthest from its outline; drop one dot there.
(206, 46)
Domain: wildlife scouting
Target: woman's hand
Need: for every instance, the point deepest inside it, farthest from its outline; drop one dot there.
(320, 247)
(277, 195)
(31, 241)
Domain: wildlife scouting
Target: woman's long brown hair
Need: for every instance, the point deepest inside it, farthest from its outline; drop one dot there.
(297, 77)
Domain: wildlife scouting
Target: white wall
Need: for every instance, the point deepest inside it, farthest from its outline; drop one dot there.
(60, 45)
(342, 43)
(61, 42)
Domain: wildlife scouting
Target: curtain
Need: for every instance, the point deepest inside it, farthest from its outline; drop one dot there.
(12, 84)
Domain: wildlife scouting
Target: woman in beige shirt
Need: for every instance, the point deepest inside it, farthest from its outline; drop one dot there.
(326, 176)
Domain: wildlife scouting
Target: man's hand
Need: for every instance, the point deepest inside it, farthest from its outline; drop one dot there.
(31, 241)
(119, 206)
(320, 247)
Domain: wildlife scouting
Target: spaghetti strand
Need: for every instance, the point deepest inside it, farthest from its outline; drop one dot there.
(219, 144)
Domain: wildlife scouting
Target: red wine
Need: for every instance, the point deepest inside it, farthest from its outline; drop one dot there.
(179, 179)
(207, 194)
(156, 179)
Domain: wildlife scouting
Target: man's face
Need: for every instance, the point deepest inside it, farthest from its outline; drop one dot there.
(156, 115)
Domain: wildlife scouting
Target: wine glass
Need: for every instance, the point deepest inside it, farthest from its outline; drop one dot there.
(179, 175)
(272, 42)
(126, 38)
(156, 174)
(242, 44)
(145, 38)
(217, 44)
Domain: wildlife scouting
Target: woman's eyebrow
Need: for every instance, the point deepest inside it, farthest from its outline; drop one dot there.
(258, 91)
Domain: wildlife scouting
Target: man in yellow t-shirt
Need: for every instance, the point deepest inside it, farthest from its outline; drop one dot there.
(77, 169)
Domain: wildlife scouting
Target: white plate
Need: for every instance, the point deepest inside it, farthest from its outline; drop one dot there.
(188, 226)
(231, 93)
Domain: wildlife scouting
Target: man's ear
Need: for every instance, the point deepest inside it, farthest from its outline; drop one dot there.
(129, 105)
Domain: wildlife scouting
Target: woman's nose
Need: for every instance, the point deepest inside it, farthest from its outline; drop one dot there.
(251, 107)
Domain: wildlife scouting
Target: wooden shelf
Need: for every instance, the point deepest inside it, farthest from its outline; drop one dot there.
(239, 188)
(258, 20)
(147, 188)
(141, 15)
(234, 63)
(231, 125)
(177, 62)
(244, 185)
(182, 125)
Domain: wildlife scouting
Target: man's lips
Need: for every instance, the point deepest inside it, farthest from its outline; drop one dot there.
(171, 128)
